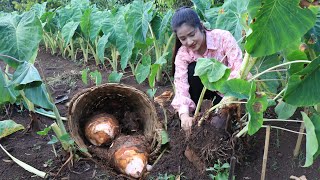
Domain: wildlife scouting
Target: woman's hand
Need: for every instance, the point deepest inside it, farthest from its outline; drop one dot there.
(186, 123)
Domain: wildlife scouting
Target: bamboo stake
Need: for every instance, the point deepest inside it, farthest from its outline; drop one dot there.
(299, 140)
(265, 154)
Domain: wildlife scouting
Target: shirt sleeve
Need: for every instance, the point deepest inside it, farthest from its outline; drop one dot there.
(182, 101)
(233, 54)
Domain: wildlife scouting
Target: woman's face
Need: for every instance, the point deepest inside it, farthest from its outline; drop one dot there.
(191, 37)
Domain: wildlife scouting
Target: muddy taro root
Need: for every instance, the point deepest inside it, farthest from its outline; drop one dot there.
(101, 129)
(130, 155)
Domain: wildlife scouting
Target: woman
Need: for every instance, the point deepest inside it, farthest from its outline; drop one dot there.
(193, 41)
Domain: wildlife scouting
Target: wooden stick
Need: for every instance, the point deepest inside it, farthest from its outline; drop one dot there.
(299, 140)
(265, 154)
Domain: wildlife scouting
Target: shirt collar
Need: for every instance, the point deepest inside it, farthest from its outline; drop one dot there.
(210, 40)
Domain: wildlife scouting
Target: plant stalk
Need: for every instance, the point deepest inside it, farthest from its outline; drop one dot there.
(114, 63)
(203, 92)
(274, 67)
(57, 130)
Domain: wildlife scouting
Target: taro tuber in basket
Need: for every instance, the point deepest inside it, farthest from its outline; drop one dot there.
(132, 108)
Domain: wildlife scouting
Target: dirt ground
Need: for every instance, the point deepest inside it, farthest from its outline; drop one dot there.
(64, 79)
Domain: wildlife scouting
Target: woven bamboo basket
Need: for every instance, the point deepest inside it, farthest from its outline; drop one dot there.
(110, 98)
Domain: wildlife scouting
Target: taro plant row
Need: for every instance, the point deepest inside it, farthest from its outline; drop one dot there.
(135, 35)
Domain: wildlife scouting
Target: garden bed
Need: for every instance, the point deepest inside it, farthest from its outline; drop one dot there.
(64, 80)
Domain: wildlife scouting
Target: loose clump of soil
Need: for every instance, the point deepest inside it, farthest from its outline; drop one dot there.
(210, 144)
(214, 141)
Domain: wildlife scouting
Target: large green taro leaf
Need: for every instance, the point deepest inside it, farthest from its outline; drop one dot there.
(270, 81)
(82, 4)
(38, 95)
(91, 23)
(138, 19)
(211, 16)
(119, 37)
(232, 17)
(68, 31)
(125, 44)
(155, 68)
(67, 14)
(284, 110)
(143, 69)
(102, 46)
(164, 26)
(8, 94)
(8, 127)
(312, 144)
(113, 23)
(296, 67)
(19, 37)
(303, 87)
(201, 6)
(238, 88)
(25, 74)
(212, 73)
(212, 68)
(277, 24)
(315, 118)
(313, 35)
(255, 106)
(39, 9)
(253, 8)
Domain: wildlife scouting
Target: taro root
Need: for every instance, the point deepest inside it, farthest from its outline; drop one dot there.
(101, 129)
(129, 155)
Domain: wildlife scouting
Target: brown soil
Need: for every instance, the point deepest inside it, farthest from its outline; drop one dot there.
(64, 79)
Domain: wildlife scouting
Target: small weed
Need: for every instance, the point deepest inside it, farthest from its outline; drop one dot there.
(101, 176)
(167, 177)
(36, 147)
(275, 165)
(48, 163)
(220, 171)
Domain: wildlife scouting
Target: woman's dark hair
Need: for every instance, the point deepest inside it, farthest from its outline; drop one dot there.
(183, 15)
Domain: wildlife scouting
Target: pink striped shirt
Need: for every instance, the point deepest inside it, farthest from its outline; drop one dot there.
(220, 44)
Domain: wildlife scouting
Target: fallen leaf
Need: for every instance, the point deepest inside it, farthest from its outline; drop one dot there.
(164, 97)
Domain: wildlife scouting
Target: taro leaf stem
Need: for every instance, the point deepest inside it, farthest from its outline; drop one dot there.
(26, 166)
(274, 67)
(10, 57)
(196, 114)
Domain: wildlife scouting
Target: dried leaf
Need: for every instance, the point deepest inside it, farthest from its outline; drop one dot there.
(164, 97)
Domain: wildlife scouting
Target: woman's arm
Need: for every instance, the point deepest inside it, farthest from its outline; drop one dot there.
(182, 101)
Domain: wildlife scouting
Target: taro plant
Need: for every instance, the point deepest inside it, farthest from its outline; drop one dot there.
(282, 74)
(117, 39)
(150, 31)
(20, 36)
